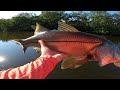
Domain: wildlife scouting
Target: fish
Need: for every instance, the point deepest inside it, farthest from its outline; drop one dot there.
(38, 28)
(68, 40)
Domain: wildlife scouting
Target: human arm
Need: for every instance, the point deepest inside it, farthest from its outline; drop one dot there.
(38, 69)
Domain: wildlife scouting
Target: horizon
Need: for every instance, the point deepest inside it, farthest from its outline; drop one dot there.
(10, 14)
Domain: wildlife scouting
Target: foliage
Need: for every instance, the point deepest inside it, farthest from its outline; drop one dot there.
(94, 22)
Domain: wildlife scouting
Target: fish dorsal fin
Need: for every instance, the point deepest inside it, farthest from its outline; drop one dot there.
(65, 27)
(40, 28)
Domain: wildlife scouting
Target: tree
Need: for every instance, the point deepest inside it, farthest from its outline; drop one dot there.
(116, 21)
(101, 21)
(78, 19)
(50, 19)
(22, 20)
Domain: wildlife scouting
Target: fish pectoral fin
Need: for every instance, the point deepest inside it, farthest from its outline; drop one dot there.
(40, 28)
(65, 27)
(37, 49)
(72, 63)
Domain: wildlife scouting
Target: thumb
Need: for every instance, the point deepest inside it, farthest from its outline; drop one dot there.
(42, 43)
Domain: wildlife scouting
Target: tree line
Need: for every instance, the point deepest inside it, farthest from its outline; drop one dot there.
(100, 22)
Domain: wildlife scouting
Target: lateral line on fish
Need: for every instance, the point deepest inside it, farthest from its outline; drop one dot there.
(71, 41)
(74, 41)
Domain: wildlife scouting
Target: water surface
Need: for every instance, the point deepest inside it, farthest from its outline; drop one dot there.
(11, 54)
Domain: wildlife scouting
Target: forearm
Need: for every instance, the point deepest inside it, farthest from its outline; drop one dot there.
(38, 69)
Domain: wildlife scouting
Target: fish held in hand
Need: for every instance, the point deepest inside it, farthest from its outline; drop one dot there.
(78, 45)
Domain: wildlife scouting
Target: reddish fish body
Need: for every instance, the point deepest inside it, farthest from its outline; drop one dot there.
(71, 43)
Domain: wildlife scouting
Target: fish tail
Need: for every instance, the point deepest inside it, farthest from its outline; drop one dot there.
(21, 43)
(17, 40)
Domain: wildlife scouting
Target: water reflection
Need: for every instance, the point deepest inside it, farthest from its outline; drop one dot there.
(11, 55)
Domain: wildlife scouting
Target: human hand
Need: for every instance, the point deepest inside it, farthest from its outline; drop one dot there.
(45, 52)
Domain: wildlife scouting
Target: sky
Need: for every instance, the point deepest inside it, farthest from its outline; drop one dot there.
(10, 14)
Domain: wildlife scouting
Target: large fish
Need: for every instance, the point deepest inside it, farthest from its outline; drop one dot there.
(78, 45)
